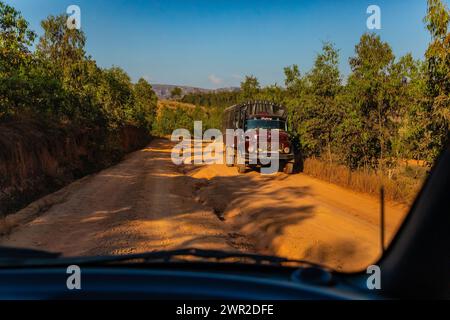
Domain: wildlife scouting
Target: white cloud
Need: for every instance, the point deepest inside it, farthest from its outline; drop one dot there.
(236, 76)
(214, 79)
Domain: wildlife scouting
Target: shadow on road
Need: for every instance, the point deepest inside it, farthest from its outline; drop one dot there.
(147, 203)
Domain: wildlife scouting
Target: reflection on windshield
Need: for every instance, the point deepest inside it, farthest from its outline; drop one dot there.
(265, 124)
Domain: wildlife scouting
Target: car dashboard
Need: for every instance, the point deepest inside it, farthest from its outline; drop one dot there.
(179, 282)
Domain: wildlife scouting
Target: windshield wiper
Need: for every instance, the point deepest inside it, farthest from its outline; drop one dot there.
(12, 254)
(217, 255)
(157, 256)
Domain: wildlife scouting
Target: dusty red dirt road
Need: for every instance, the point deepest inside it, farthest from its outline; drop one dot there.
(147, 203)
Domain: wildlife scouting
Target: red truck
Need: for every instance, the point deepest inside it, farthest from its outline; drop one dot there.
(250, 120)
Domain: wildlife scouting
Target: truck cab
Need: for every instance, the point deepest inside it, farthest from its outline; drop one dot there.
(255, 123)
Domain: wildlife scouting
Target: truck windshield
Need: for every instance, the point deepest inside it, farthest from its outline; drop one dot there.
(265, 124)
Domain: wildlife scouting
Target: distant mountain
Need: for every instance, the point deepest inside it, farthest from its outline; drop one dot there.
(163, 90)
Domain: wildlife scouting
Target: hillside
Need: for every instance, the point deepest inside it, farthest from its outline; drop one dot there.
(172, 104)
(163, 90)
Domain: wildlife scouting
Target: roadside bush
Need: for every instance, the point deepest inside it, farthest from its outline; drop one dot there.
(400, 187)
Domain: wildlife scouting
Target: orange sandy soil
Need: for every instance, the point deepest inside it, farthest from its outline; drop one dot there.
(148, 203)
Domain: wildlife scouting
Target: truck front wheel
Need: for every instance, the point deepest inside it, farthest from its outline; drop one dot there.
(289, 168)
(242, 168)
(228, 157)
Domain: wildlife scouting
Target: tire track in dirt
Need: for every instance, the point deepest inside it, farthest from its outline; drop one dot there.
(144, 203)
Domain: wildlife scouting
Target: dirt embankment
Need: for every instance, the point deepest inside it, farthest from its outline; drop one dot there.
(38, 158)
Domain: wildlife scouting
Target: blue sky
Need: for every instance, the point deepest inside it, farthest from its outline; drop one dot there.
(214, 43)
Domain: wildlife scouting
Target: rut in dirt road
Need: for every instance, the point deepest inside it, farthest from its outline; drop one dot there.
(148, 203)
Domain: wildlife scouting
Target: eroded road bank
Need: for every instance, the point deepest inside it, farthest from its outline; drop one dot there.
(148, 203)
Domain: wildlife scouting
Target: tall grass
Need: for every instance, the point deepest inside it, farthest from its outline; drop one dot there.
(402, 185)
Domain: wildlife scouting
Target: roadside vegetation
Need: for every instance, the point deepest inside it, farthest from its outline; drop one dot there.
(59, 82)
(173, 115)
(356, 132)
(61, 115)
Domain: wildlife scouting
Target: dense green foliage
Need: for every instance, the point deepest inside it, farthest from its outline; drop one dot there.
(434, 112)
(176, 92)
(212, 99)
(183, 117)
(60, 83)
(388, 108)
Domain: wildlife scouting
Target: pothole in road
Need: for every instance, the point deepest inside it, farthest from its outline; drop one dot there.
(187, 168)
(205, 193)
(202, 183)
(219, 213)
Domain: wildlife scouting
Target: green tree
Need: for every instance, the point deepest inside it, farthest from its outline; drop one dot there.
(15, 59)
(325, 78)
(407, 84)
(294, 82)
(249, 88)
(61, 52)
(325, 84)
(272, 93)
(15, 40)
(369, 103)
(115, 96)
(64, 51)
(436, 109)
(145, 103)
(313, 106)
(61, 45)
(176, 93)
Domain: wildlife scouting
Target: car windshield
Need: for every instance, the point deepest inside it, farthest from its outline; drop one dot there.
(123, 126)
(265, 124)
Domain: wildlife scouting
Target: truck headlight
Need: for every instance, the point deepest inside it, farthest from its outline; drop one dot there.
(286, 149)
